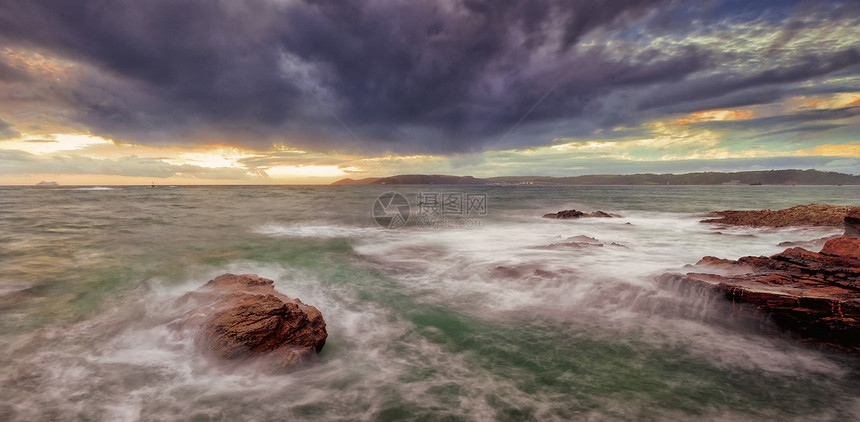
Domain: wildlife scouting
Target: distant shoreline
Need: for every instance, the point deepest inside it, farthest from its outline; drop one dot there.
(745, 178)
(753, 178)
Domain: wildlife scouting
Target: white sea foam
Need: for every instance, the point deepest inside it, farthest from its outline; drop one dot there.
(317, 231)
(454, 264)
(476, 324)
(498, 272)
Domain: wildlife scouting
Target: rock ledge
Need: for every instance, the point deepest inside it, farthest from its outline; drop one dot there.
(814, 295)
(801, 215)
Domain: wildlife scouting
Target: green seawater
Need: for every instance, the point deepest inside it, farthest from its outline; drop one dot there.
(475, 321)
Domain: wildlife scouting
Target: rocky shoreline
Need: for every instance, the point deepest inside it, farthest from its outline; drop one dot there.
(814, 295)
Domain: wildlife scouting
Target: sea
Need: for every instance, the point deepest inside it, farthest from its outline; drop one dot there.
(468, 306)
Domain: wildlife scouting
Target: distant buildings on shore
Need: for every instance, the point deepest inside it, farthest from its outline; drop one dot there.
(511, 183)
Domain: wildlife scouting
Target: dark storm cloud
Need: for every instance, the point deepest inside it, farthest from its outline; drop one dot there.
(421, 76)
(717, 86)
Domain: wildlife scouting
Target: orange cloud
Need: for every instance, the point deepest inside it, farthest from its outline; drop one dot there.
(844, 150)
(36, 63)
(840, 100)
(715, 116)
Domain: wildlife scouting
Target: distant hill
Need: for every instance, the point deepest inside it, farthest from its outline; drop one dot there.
(416, 179)
(769, 177)
(348, 181)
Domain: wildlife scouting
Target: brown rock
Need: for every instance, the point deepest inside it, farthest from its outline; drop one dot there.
(842, 246)
(714, 261)
(569, 245)
(243, 316)
(814, 295)
(801, 215)
(566, 214)
(852, 223)
(582, 238)
(578, 242)
(603, 214)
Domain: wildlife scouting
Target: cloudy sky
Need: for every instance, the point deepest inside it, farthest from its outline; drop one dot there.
(291, 91)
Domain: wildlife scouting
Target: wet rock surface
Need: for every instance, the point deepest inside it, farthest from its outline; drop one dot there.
(815, 295)
(239, 317)
(578, 242)
(568, 214)
(842, 246)
(801, 215)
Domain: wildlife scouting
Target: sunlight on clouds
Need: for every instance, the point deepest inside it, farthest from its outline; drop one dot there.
(286, 148)
(584, 146)
(806, 103)
(716, 116)
(213, 158)
(722, 154)
(687, 137)
(36, 63)
(670, 136)
(841, 100)
(305, 171)
(55, 143)
(390, 157)
(390, 164)
(851, 150)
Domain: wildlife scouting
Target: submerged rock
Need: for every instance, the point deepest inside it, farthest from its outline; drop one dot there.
(243, 316)
(578, 242)
(580, 214)
(569, 245)
(815, 295)
(801, 215)
(807, 244)
(582, 238)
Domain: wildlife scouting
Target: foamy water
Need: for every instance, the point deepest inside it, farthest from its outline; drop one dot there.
(505, 321)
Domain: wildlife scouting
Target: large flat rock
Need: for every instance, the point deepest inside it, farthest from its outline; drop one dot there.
(801, 215)
(813, 294)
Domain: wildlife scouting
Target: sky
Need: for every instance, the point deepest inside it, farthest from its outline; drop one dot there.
(304, 92)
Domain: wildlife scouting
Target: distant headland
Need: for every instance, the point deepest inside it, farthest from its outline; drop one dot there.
(768, 177)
